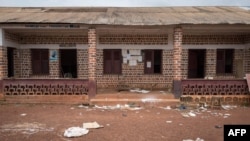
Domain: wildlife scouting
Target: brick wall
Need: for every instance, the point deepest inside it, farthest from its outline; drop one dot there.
(213, 39)
(17, 63)
(54, 39)
(3, 62)
(92, 41)
(26, 69)
(247, 60)
(82, 63)
(134, 39)
(177, 52)
(134, 75)
(210, 63)
(184, 64)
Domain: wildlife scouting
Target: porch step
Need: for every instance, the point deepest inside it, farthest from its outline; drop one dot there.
(138, 99)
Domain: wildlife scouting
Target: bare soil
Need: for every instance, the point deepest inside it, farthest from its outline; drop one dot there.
(40, 122)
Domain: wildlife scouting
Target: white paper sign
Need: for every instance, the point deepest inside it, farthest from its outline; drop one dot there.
(148, 64)
(125, 60)
(140, 58)
(132, 62)
(124, 53)
(128, 56)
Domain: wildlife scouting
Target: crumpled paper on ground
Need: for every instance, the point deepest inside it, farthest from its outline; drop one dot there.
(75, 132)
(92, 125)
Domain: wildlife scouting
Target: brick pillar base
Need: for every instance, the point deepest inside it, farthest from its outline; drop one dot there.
(92, 62)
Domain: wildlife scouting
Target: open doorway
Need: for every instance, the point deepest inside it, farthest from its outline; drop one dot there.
(196, 63)
(10, 56)
(68, 63)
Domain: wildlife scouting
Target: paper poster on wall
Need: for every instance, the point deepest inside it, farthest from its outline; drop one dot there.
(53, 55)
(135, 52)
(140, 58)
(132, 62)
(148, 64)
(124, 53)
(128, 56)
(125, 60)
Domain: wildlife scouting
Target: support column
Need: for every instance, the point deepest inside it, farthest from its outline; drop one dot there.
(92, 39)
(3, 62)
(177, 51)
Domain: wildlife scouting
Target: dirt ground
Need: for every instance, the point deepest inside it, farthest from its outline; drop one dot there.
(40, 122)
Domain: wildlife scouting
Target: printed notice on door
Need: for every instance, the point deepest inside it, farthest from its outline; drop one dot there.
(148, 64)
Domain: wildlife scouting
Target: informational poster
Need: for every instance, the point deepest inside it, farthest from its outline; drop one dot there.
(124, 53)
(148, 64)
(53, 55)
(140, 58)
(125, 60)
(132, 62)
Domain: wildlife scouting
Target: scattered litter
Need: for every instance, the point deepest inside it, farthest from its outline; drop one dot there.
(182, 107)
(166, 108)
(72, 108)
(180, 124)
(92, 125)
(185, 114)
(24, 114)
(118, 106)
(148, 100)
(228, 107)
(137, 90)
(191, 114)
(107, 124)
(75, 132)
(83, 106)
(197, 139)
(25, 128)
(218, 126)
(169, 121)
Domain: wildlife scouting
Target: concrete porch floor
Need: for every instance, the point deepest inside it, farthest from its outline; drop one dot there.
(154, 97)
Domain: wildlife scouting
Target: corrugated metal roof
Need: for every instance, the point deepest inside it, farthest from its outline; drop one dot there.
(127, 16)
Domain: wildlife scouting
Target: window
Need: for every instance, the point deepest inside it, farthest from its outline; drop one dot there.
(40, 61)
(112, 61)
(224, 62)
(152, 61)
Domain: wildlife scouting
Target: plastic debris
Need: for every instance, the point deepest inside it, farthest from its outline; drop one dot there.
(75, 132)
(169, 121)
(197, 139)
(24, 114)
(92, 125)
(166, 108)
(26, 128)
(218, 126)
(228, 107)
(191, 114)
(118, 106)
(137, 90)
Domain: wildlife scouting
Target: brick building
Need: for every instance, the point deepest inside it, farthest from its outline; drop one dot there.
(41, 48)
